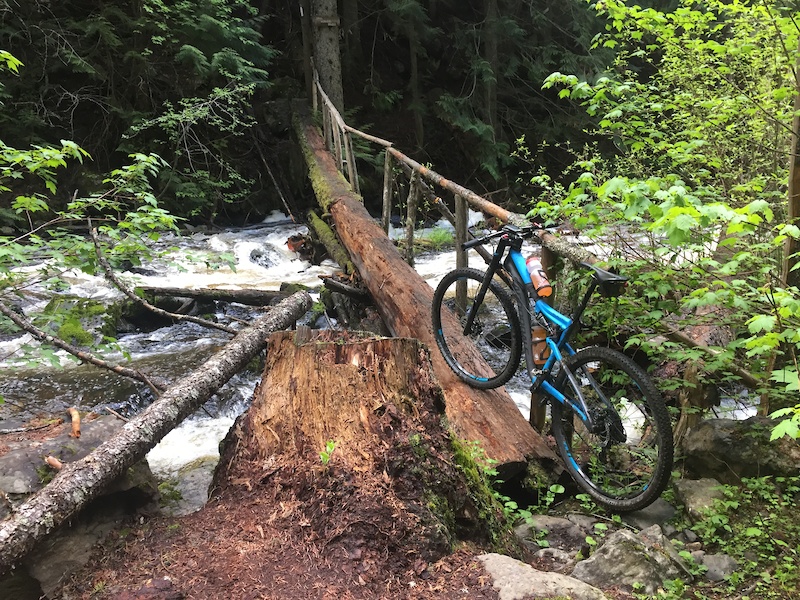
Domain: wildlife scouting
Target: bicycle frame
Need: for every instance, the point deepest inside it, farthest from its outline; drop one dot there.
(522, 288)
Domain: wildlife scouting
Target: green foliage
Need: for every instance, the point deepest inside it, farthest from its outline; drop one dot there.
(326, 454)
(689, 109)
(756, 525)
(124, 79)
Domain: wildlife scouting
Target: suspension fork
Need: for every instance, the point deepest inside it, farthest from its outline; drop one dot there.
(493, 267)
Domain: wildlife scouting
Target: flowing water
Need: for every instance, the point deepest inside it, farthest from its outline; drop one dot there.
(262, 261)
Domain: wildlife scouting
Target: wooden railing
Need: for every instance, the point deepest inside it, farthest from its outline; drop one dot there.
(423, 182)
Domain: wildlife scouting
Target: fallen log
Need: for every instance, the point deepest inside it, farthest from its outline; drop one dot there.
(248, 296)
(79, 482)
(403, 298)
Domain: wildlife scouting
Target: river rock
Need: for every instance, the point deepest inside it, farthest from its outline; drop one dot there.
(698, 495)
(515, 580)
(558, 532)
(657, 513)
(729, 450)
(648, 558)
(22, 467)
(719, 566)
(23, 472)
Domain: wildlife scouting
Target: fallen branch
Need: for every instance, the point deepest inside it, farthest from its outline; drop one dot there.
(125, 290)
(250, 297)
(54, 463)
(76, 422)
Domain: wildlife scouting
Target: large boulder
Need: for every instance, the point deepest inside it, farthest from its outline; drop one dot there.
(647, 558)
(729, 450)
(516, 580)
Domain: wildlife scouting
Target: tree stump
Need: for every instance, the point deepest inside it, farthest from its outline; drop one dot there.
(345, 438)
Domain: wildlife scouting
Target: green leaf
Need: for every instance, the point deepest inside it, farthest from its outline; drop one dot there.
(761, 323)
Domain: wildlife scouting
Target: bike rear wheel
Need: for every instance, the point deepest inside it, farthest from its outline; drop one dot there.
(494, 331)
(626, 462)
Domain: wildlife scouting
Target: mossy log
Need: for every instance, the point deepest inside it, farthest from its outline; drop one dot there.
(328, 239)
(490, 418)
(249, 296)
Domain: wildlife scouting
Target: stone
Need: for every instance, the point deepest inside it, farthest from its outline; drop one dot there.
(560, 533)
(515, 580)
(698, 495)
(657, 513)
(728, 450)
(719, 566)
(648, 558)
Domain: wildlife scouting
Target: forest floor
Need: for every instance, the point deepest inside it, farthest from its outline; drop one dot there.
(281, 534)
(255, 539)
(249, 542)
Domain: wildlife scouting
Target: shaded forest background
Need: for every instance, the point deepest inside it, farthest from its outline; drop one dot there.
(454, 84)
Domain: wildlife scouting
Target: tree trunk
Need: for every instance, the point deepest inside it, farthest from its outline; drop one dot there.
(79, 482)
(325, 19)
(792, 277)
(491, 36)
(404, 300)
(345, 433)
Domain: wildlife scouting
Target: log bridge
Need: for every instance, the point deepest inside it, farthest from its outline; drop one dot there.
(490, 418)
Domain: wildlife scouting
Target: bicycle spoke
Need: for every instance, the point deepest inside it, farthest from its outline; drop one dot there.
(490, 325)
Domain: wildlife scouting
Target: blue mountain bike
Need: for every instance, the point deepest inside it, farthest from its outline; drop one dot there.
(608, 418)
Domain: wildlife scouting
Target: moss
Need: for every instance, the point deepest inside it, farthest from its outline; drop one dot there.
(417, 446)
(471, 460)
(81, 321)
(536, 477)
(169, 493)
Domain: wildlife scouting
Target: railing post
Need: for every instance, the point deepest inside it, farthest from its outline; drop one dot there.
(411, 217)
(326, 126)
(386, 215)
(461, 231)
(350, 158)
(337, 144)
(461, 223)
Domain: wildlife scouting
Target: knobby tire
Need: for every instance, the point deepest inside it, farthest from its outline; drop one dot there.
(495, 331)
(621, 470)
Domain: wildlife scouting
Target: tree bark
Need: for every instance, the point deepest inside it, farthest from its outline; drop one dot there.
(325, 19)
(404, 300)
(79, 482)
(347, 431)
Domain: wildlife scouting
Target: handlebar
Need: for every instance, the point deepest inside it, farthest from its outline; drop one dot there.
(507, 229)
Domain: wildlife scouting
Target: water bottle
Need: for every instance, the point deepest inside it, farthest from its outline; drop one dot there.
(541, 351)
(538, 277)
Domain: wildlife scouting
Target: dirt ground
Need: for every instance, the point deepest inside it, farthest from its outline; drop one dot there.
(258, 539)
(286, 531)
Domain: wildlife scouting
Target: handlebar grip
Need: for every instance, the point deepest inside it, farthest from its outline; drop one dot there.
(473, 243)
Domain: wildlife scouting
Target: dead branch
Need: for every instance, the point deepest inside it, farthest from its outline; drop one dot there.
(86, 357)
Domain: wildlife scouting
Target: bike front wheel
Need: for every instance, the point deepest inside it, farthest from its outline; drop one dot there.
(491, 323)
(626, 461)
